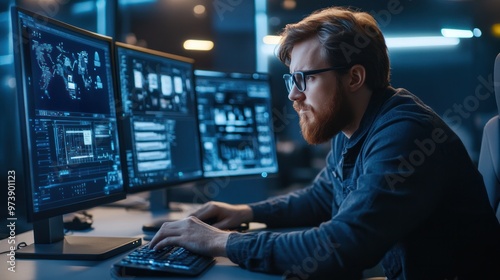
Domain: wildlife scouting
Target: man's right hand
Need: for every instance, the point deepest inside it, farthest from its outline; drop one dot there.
(224, 215)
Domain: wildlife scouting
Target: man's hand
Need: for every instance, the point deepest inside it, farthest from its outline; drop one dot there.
(223, 215)
(192, 234)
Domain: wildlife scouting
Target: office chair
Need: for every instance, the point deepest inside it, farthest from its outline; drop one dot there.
(489, 158)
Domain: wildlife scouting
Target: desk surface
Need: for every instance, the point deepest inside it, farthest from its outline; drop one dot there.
(108, 221)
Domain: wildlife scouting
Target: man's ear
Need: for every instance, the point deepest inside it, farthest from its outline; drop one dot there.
(357, 76)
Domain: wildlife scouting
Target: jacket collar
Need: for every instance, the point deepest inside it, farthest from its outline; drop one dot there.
(372, 110)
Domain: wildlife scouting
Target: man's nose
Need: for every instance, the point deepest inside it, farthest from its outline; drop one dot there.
(295, 94)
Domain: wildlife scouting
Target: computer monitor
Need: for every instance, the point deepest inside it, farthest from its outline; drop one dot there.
(66, 90)
(236, 126)
(160, 141)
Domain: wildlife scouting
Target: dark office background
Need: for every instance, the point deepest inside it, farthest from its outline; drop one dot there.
(444, 78)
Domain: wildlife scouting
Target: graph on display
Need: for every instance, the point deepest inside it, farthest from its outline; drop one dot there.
(77, 146)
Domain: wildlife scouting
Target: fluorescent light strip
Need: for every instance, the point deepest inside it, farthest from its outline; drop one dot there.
(271, 40)
(456, 33)
(261, 29)
(420, 42)
(198, 45)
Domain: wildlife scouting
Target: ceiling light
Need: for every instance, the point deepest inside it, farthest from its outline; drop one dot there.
(495, 30)
(289, 4)
(198, 45)
(199, 9)
(271, 40)
(420, 42)
(477, 32)
(456, 33)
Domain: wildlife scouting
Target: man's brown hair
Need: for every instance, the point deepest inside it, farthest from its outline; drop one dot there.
(348, 37)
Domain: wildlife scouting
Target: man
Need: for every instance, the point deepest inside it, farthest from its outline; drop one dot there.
(398, 187)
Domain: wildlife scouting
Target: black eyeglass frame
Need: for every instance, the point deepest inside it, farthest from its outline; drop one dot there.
(304, 74)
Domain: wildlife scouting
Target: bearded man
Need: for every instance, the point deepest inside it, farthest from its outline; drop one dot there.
(398, 188)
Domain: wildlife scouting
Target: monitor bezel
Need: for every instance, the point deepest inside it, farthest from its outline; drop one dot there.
(22, 92)
(261, 76)
(121, 124)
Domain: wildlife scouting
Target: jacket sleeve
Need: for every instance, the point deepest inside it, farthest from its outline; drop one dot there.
(305, 207)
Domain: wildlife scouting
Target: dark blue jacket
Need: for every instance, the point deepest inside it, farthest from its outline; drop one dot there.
(401, 190)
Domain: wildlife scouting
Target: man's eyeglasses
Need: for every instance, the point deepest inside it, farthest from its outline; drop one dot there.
(299, 78)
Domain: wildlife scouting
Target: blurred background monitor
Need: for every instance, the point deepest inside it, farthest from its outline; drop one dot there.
(66, 90)
(235, 121)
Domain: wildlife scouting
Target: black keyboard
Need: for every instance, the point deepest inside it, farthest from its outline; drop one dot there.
(143, 261)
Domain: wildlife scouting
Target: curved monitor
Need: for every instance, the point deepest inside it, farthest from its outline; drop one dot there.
(236, 126)
(160, 141)
(66, 91)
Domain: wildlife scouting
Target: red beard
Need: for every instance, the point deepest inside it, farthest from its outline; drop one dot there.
(327, 123)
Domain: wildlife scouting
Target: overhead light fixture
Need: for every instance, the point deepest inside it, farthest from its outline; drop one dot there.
(199, 9)
(456, 33)
(198, 45)
(270, 44)
(477, 32)
(420, 42)
(271, 40)
(289, 4)
(495, 30)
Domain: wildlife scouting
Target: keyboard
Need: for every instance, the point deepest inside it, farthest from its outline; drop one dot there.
(170, 260)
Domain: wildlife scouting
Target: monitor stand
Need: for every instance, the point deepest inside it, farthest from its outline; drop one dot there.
(50, 243)
(159, 200)
(156, 200)
(160, 204)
